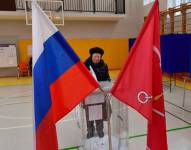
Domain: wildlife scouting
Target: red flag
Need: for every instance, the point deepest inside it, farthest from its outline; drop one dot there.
(140, 81)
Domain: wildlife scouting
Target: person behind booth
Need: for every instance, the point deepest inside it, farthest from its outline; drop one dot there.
(102, 74)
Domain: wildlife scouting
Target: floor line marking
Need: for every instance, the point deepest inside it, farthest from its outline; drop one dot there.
(169, 130)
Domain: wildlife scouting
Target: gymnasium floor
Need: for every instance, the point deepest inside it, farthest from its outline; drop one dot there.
(16, 118)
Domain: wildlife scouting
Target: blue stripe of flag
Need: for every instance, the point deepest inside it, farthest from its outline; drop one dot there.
(56, 59)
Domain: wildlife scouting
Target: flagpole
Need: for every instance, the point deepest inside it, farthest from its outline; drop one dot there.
(107, 98)
(33, 103)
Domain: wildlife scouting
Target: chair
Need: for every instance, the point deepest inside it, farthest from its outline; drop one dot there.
(23, 68)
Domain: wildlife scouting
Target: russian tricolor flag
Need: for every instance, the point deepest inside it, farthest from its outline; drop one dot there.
(60, 79)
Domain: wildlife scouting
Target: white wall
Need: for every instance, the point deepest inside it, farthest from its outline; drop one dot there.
(162, 6)
(124, 28)
(127, 27)
(144, 10)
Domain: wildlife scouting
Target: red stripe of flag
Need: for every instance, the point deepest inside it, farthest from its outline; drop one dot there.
(70, 88)
(46, 138)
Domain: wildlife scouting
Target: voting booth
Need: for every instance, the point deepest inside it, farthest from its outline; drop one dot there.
(72, 130)
(107, 114)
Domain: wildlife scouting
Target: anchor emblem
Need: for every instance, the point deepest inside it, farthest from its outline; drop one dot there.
(143, 97)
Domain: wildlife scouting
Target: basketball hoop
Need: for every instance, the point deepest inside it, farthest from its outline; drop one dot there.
(53, 9)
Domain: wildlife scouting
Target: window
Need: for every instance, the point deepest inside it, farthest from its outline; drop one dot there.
(145, 2)
(174, 3)
(186, 1)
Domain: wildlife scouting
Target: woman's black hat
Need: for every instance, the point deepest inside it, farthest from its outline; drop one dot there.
(96, 50)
